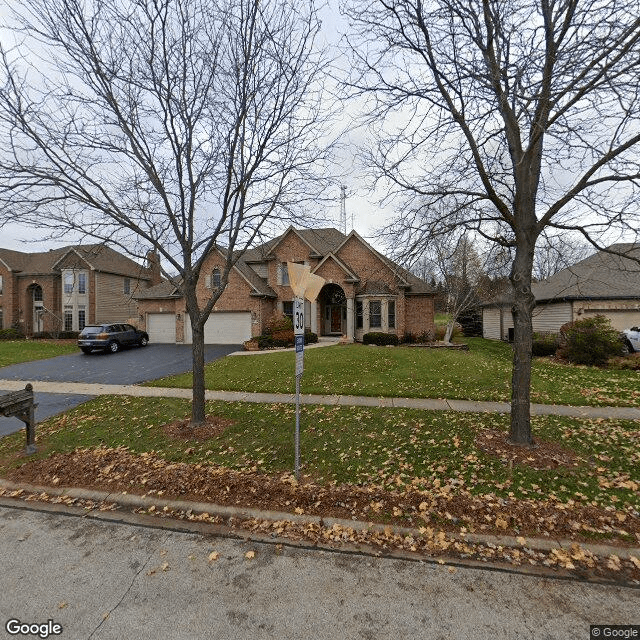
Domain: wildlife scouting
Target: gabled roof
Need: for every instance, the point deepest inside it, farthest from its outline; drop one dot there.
(162, 291)
(97, 256)
(600, 276)
(321, 242)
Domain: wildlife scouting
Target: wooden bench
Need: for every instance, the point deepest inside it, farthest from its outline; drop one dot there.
(20, 404)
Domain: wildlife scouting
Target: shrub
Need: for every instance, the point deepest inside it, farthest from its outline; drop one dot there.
(545, 344)
(418, 338)
(591, 341)
(471, 323)
(278, 323)
(11, 334)
(379, 338)
(310, 337)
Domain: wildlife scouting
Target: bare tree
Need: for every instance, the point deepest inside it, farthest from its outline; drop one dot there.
(555, 253)
(182, 125)
(455, 262)
(516, 117)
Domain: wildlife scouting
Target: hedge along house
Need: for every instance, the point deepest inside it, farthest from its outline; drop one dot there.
(602, 284)
(65, 289)
(364, 291)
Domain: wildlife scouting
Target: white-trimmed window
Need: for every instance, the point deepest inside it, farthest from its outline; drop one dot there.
(284, 274)
(391, 314)
(82, 283)
(359, 315)
(126, 286)
(68, 283)
(68, 318)
(216, 279)
(287, 309)
(82, 317)
(375, 314)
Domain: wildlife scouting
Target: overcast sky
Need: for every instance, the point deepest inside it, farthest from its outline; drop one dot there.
(363, 212)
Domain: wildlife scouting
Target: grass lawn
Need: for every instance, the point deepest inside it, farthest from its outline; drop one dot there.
(16, 351)
(482, 373)
(392, 449)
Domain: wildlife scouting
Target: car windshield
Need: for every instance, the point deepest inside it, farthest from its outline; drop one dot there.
(91, 330)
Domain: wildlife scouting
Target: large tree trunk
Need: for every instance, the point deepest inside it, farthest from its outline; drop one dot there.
(524, 303)
(197, 352)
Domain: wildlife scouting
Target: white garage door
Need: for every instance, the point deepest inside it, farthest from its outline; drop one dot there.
(161, 327)
(224, 327)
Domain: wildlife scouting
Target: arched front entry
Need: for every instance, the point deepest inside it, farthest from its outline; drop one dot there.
(34, 310)
(333, 310)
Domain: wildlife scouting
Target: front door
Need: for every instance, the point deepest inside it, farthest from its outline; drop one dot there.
(336, 319)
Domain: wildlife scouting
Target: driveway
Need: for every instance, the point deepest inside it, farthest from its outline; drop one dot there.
(131, 366)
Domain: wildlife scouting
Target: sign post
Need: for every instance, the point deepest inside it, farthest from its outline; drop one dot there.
(304, 285)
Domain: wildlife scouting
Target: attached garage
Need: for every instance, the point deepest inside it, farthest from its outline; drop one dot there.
(161, 327)
(224, 327)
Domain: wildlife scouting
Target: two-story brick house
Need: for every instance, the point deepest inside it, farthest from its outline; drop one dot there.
(364, 291)
(65, 289)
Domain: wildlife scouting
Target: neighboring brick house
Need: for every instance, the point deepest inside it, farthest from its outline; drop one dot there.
(602, 284)
(364, 291)
(65, 289)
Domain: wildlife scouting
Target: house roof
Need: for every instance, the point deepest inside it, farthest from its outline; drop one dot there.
(166, 289)
(97, 256)
(321, 241)
(601, 276)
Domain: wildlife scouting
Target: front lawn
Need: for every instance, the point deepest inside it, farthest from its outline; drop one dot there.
(482, 373)
(16, 351)
(414, 466)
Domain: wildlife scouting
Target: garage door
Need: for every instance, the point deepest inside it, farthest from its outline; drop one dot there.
(161, 327)
(224, 327)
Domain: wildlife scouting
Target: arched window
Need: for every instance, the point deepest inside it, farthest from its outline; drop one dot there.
(216, 279)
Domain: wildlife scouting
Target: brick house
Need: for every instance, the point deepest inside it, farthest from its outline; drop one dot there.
(65, 289)
(364, 291)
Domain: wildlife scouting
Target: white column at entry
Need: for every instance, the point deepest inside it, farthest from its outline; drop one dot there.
(350, 321)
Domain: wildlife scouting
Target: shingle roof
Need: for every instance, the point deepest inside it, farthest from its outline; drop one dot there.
(98, 256)
(600, 276)
(166, 289)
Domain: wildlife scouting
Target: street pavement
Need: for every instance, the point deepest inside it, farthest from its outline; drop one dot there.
(103, 580)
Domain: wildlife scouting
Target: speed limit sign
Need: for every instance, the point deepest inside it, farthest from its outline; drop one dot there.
(298, 316)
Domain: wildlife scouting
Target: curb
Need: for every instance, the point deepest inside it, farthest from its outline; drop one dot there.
(136, 501)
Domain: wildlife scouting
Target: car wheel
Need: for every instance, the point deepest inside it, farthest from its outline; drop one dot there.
(114, 347)
(144, 341)
(85, 350)
(630, 347)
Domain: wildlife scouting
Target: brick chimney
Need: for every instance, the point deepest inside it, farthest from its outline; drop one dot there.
(153, 264)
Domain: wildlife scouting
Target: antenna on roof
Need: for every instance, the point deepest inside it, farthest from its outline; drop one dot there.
(343, 209)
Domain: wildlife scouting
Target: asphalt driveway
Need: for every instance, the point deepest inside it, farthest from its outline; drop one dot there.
(131, 366)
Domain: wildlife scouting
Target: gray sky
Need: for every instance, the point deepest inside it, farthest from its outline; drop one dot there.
(363, 213)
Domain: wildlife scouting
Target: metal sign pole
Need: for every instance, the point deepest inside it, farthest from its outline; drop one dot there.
(298, 330)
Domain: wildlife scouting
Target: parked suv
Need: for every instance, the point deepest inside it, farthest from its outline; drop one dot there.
(632, 339)
(111, 337)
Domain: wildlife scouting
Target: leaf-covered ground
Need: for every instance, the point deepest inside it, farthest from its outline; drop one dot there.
(441, 473)
(482, 373)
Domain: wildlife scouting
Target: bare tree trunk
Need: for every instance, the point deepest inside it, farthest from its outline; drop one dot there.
(197, 350)
(524, 302)
(449, 331)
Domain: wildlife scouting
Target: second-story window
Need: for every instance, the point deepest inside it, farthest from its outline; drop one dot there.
(126, 288)
(284, 273)
(216, 279)
(0, 285)
(82, 283)
(68, 283)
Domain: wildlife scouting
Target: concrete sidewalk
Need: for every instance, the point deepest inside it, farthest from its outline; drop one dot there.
(468, 406)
